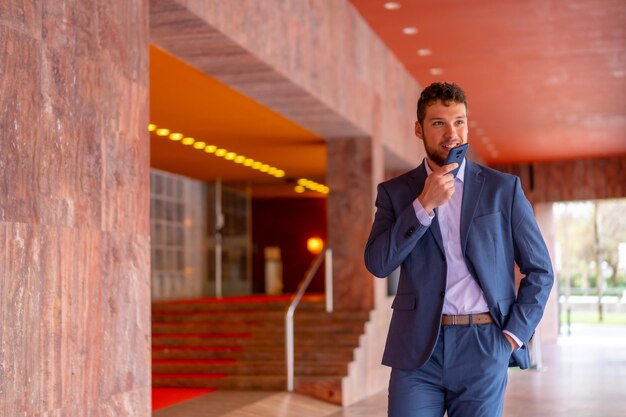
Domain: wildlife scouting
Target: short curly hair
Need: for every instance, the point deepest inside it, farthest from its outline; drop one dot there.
(446, 92)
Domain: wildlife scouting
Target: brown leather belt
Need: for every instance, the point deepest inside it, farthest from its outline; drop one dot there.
(465, 319)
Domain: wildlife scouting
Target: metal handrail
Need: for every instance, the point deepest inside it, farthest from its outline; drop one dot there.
(327, 255)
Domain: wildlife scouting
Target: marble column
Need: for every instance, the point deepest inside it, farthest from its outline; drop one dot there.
(349, 176)
(74, 209)
(549, 326)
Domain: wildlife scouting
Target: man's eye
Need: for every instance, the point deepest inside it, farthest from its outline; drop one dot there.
(460, 122)
(437, 123)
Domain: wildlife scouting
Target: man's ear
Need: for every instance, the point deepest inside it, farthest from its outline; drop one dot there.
(418, 130)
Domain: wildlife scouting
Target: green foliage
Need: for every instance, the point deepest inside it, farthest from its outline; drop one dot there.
(592, 317)
(585, 233)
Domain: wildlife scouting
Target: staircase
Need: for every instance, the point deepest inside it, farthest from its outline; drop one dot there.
(239, 344)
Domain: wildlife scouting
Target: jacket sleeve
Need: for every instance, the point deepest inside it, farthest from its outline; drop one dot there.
(393, 237)
(533, 259)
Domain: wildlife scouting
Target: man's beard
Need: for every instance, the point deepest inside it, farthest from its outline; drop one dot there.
(433, 155)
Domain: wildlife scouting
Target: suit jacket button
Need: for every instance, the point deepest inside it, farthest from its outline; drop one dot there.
(442, 294)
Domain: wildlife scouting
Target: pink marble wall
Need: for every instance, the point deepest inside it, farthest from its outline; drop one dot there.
(583, 179)
(349, 221)
(549, 326)
(74, 207)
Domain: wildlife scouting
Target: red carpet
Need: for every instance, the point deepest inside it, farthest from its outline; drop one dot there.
(163, 397)
(197, 348)
(190, 376)
(194, 361)
(245, 298)
(202, 335)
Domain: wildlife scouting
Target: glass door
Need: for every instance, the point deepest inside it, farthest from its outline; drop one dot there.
(229, 242)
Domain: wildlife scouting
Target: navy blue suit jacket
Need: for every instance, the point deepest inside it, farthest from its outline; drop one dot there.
(498, 229)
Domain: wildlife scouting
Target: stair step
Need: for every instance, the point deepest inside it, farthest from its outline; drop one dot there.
(192, 362)
(198, 348)
(277, 368)
(323, 388)
(160, 316)
(254, 328)
(194, 375)
(225, 304)
(274, 383)
(238, 344)
(247, 341)
(204, 335)
(238, 353)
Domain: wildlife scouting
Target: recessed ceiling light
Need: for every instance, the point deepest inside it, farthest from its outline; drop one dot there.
(473, 124)
(303, 183)
(424, 52)
(619, 74)
(176, 136)
(485, 139)
(410, 30)
(392, 5)
(220, 152)
(480, 131)
(436, 71)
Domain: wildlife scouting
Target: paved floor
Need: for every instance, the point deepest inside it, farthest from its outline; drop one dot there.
(584, 375)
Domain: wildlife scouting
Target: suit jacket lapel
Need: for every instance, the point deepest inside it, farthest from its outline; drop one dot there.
(418, 177)
(472, 189)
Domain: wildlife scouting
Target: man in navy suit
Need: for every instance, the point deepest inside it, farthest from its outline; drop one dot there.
(458, 321)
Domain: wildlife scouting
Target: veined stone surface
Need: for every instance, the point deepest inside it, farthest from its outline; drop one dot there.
(74, 207)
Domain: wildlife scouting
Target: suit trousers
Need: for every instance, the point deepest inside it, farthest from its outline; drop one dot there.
(466, 376)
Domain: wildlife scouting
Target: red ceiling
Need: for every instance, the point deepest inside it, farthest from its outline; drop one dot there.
(546, 79)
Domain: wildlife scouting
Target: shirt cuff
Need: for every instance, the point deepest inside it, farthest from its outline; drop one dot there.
(519, 342)
(424, 218)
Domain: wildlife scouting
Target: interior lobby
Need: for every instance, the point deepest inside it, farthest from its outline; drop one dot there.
(165, 163)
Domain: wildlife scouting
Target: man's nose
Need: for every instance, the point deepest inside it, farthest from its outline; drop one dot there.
(450, 130)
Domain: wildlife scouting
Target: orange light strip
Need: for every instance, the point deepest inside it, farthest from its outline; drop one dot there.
(218, 152)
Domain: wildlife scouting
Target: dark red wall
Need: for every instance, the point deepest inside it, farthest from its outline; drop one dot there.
(287, 223)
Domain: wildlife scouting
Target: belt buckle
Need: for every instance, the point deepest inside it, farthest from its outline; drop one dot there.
(454, 320)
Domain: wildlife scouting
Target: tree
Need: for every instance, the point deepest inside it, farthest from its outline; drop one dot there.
(612, 225)
(576, 223)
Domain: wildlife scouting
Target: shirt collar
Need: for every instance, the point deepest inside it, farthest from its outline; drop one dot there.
(460, 175)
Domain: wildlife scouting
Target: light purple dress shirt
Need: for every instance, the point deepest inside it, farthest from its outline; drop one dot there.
(463, 294)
